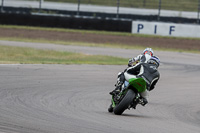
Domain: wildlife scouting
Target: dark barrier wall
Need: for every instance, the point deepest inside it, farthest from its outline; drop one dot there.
(66, 22)
(22, 10)
(85, 20)
(102, 15)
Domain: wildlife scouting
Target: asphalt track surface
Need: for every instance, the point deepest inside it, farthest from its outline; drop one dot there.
(74, 98)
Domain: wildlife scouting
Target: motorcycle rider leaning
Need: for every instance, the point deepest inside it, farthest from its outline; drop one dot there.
(144, 57)
(146, 69)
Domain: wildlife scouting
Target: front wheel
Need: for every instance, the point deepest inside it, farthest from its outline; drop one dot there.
(110, 109)
(125, 102)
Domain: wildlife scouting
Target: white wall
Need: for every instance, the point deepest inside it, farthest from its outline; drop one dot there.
(166, 29)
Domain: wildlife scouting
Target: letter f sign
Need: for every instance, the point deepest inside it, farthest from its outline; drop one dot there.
(140, 26)
(172, 28)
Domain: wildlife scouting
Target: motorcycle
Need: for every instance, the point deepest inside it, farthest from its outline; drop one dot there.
(129, 96)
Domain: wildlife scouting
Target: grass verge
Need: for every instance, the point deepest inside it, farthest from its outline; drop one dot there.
(20, 55)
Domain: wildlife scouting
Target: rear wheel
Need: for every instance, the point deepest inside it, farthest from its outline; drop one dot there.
(125, 102)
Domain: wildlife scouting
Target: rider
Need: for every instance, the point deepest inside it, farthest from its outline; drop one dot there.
(148, 71)
(145, 59)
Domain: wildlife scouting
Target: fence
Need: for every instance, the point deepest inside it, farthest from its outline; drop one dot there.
(178, 8)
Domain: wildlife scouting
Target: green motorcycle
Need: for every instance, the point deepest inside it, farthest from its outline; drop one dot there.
(128, 97)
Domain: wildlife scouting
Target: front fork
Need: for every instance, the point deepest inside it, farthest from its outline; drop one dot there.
(113, 102)
(117, 98)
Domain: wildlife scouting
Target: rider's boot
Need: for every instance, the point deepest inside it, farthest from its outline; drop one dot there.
(135, 102)
(119, 84)
(143, 98)
(143, 101)
(140, 100)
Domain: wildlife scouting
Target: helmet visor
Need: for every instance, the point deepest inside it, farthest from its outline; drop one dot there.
(149, 52)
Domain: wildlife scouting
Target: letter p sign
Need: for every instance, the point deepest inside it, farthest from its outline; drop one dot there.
(140, 26)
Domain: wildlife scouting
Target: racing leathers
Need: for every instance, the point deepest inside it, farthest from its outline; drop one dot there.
(146, 71)
(120, 79)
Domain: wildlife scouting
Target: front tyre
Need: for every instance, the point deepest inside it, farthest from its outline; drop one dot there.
(125, 102)
(110, 109)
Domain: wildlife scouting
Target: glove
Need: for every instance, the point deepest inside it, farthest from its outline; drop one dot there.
(130, 62)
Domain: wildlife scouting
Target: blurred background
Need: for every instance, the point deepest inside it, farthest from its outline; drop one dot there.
(176, 11)
(121, 8)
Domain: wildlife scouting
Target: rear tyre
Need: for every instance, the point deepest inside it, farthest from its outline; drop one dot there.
(124, 103)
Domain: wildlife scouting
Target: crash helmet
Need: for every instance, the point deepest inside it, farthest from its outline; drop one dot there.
(149, 51)
(154, 60)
